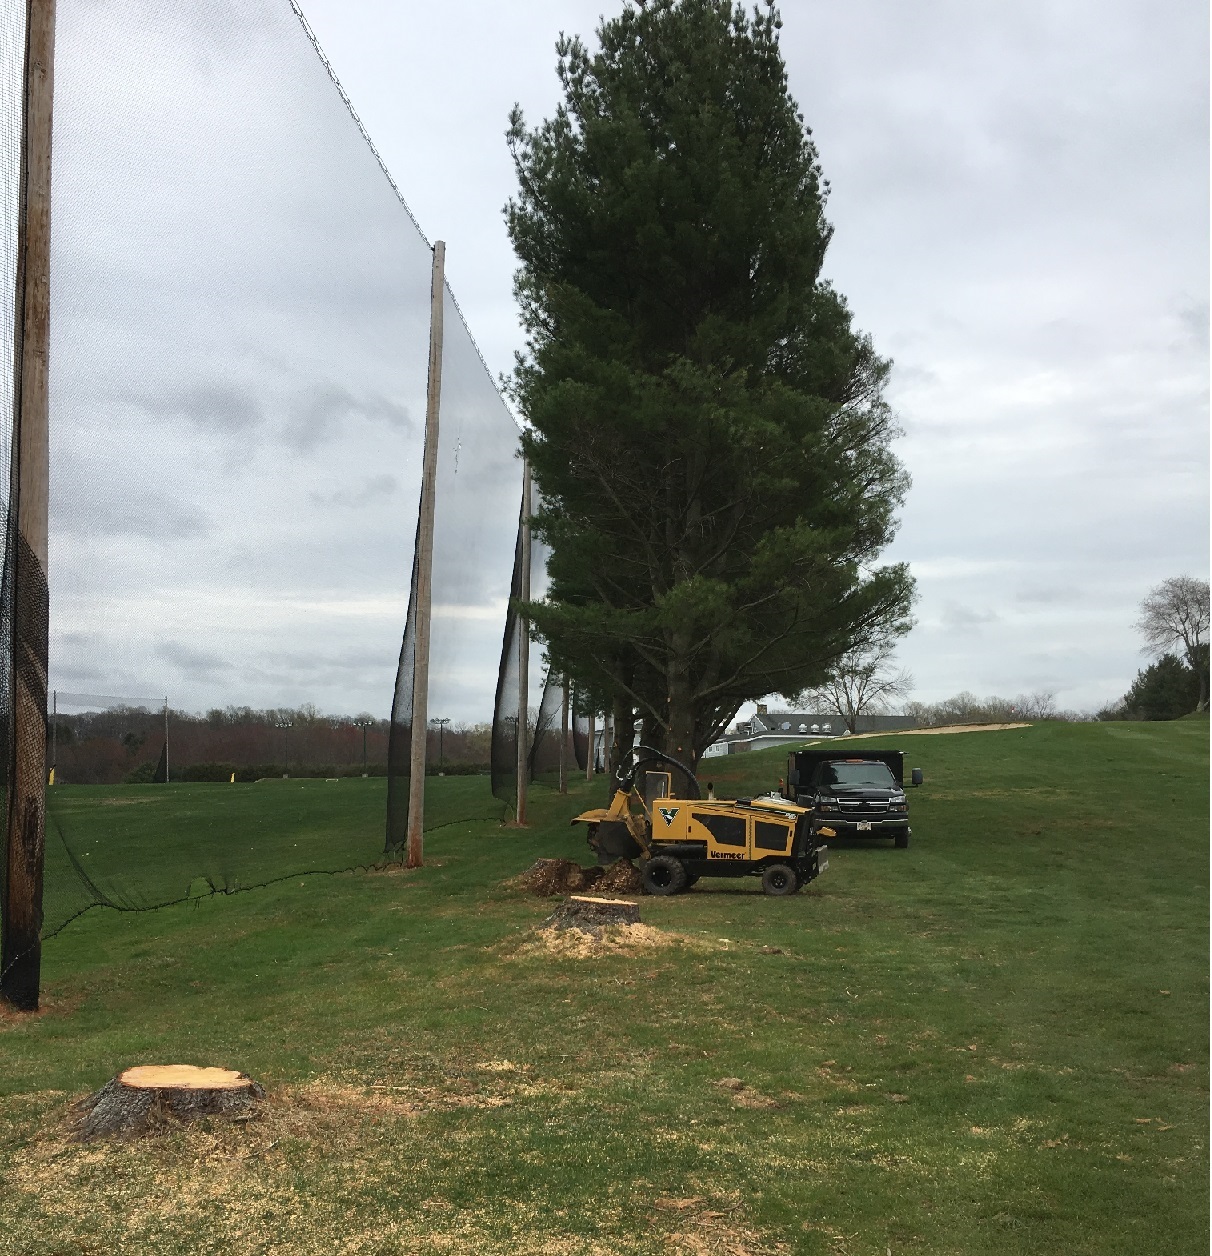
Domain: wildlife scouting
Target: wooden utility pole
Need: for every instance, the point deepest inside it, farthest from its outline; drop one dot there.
(20, 946)
(524, 654)
(424, 565)
(564, 737)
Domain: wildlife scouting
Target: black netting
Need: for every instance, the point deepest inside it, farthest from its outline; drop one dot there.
(580, 736)
(240, 330)
(506, 709)
(546, 756)
(543, 692)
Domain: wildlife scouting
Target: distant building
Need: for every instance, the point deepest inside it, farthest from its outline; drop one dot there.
(777, 728)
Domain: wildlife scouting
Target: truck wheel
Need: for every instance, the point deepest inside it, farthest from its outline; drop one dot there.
(663, 874)
(779, 879)
(902, 840)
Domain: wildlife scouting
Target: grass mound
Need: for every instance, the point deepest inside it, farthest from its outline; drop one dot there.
(994, 1042)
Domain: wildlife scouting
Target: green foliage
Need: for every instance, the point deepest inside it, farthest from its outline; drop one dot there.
(963, 1047)
(1166, 689)
(709, 429)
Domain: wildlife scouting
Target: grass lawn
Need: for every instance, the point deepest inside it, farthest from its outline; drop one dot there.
(992, 1042)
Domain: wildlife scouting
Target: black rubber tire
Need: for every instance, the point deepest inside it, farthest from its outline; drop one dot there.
(663, 875)
(902, 840)
(780, 879)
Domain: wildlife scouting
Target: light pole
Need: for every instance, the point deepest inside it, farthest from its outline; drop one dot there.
(364, 725)
(287, 725)
(441, 730)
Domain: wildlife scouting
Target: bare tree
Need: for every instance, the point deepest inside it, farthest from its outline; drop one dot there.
(864, 681)
(1174, 618)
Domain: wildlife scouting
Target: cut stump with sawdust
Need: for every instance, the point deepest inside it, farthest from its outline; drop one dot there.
(148, 1097)
(592, 915)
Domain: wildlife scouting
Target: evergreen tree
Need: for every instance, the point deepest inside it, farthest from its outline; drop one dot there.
(1165, 690)
(709, 429)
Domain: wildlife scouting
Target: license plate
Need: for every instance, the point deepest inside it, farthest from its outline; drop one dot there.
(863, 826)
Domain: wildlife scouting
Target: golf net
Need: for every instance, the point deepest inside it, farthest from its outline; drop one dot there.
(240, 334)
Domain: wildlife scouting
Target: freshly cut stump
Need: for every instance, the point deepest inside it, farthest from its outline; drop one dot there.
(592, 915)
(148, 1097)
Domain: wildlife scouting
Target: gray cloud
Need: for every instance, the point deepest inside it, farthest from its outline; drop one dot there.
(370, 490)
(194, 665)
(150, 515)
(219, 407)
(958, 618)
(330, 408)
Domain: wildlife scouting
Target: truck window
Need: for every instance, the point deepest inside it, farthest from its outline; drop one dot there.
(875, 774)
(727, 830)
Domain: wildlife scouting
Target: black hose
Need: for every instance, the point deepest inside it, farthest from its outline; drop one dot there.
(626, 778)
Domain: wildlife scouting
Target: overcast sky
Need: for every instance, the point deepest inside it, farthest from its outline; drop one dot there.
(1019, 196)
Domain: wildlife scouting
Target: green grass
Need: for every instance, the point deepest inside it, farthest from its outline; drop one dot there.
(993, 1042)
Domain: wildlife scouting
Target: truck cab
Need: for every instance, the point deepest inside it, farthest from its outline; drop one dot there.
(856, 795)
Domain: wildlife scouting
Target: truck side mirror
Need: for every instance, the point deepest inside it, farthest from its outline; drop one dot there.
(917, 776)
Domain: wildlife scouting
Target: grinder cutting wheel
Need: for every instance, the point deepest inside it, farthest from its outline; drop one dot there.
(682, 839)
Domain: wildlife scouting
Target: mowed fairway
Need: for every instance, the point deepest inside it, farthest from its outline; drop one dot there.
(992, 1042)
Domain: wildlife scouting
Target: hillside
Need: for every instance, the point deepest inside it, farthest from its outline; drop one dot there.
(993, 1042)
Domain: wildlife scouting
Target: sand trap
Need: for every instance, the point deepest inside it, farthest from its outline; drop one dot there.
(955, 728)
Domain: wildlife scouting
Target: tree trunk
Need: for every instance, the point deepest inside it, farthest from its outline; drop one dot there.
(592, 915)
(680, 738)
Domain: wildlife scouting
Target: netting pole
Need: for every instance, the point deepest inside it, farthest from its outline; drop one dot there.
(167, 777)
(591, 748)
(564, 738)
(424, 567)
(20, 945)
(524, 653)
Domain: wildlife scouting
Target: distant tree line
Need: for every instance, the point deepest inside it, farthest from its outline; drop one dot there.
(967, 708)
(125, 744)
(1174, 619)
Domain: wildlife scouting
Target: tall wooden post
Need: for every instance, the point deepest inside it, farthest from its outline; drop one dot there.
(564, 738)
(524, 654)
(429, 475)
(592, 750)
(20, 946)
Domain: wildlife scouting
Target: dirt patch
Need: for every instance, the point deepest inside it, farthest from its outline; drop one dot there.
(548, 878)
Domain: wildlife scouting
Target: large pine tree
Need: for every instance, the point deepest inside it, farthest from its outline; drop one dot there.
(708, 428)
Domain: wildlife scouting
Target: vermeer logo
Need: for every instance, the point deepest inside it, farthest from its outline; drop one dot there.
(668, 813)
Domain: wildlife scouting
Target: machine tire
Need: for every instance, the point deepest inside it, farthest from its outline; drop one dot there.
(902, 840)
(780, 879)
(664, 875)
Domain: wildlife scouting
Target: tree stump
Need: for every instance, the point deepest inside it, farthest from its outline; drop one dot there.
(148, 1097)
(592, 915)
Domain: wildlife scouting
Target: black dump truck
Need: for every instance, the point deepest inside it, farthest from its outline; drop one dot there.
(860, 794)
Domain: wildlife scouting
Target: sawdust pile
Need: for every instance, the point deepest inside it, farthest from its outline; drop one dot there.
(548, 878)
(610, 940)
